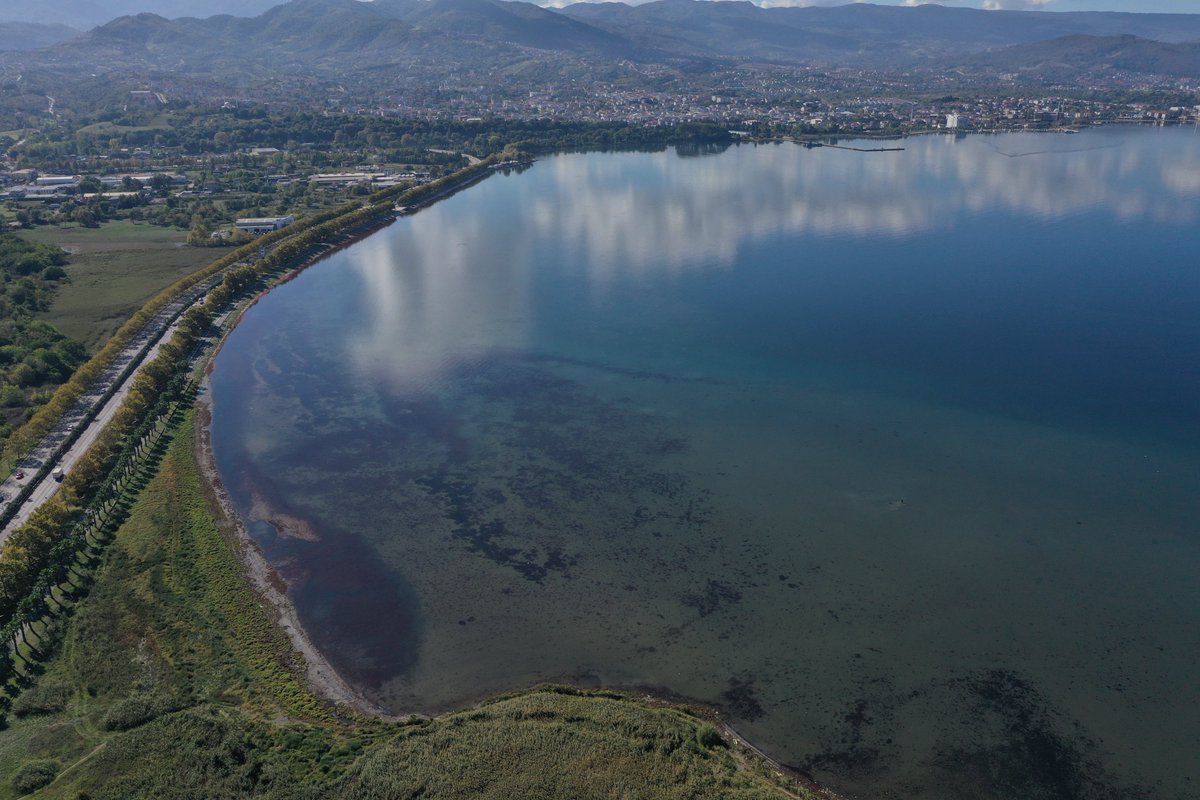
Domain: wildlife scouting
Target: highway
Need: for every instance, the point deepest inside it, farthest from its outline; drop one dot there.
(71, 437)
(79, 426)
(48, 487)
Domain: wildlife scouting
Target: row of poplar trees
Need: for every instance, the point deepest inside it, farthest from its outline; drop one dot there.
(53, 550)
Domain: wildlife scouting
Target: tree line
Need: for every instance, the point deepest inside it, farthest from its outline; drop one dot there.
(333, 140)
(33, 354)
(53, 548)
(49, 558)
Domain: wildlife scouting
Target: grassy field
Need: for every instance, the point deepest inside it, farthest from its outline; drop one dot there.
(159, 123)
(114, 269)
(172, 681)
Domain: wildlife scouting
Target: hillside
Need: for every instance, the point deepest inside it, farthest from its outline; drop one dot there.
(84, 14)
(348, 35)
(516, 22)
(854, 33)
(488, 54)
(1070, 56)
(302, 33)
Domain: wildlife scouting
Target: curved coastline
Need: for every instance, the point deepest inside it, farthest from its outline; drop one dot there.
(318, 671)
(323, 678)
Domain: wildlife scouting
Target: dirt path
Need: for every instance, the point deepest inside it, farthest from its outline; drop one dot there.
(70, 767)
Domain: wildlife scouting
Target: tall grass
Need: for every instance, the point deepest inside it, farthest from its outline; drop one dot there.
(555, 745)
(181, 687)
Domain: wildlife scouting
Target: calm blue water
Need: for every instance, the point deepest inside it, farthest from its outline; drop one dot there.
(894, 456)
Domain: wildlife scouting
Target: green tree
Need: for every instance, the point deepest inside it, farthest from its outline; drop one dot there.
(200, 235)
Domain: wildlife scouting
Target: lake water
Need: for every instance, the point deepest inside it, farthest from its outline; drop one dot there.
(894, 456)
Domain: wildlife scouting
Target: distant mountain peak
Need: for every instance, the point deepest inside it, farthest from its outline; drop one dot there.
(342, 36)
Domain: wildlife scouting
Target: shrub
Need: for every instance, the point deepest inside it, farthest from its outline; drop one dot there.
(130, 713)
(709, 737)
(11, 396)
(34, 775)
(47, 698)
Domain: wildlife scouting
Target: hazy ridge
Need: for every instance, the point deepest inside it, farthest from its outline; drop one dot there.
(349, 35)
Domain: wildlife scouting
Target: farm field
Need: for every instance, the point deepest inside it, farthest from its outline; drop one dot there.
(113, 270)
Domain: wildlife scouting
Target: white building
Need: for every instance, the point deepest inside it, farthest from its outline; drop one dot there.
(332, 179)
(43, 194)
(58, 180)
(257, 225)
(952, 120)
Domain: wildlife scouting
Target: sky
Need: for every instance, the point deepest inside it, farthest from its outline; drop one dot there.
(1143, 6)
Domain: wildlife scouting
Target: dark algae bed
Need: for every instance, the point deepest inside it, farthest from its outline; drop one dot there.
(892, 457)
(171, 681)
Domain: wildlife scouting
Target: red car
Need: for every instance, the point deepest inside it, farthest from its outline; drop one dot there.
(20, 474)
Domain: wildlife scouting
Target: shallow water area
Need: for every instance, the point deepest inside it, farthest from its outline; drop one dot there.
(894, 456)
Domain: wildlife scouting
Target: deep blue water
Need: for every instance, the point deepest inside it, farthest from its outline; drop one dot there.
(894, 456)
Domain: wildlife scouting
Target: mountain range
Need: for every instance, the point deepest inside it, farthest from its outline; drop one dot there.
(85, 14)
(858, 32)
(344, 37)
(1068, 56)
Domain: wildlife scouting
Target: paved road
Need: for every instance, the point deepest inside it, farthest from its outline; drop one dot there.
(54, 450)
(49, 487)
(143, 348)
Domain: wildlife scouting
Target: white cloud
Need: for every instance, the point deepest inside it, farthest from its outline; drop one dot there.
(990, 5)
(1015, 5)
(802, 3)
(689, 216)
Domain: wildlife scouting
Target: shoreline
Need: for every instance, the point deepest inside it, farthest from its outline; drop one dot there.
(323, 679)
(319, 674)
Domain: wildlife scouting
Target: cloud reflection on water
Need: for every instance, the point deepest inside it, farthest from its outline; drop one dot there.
(453, 282)
(447, 292)
(676, 214)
